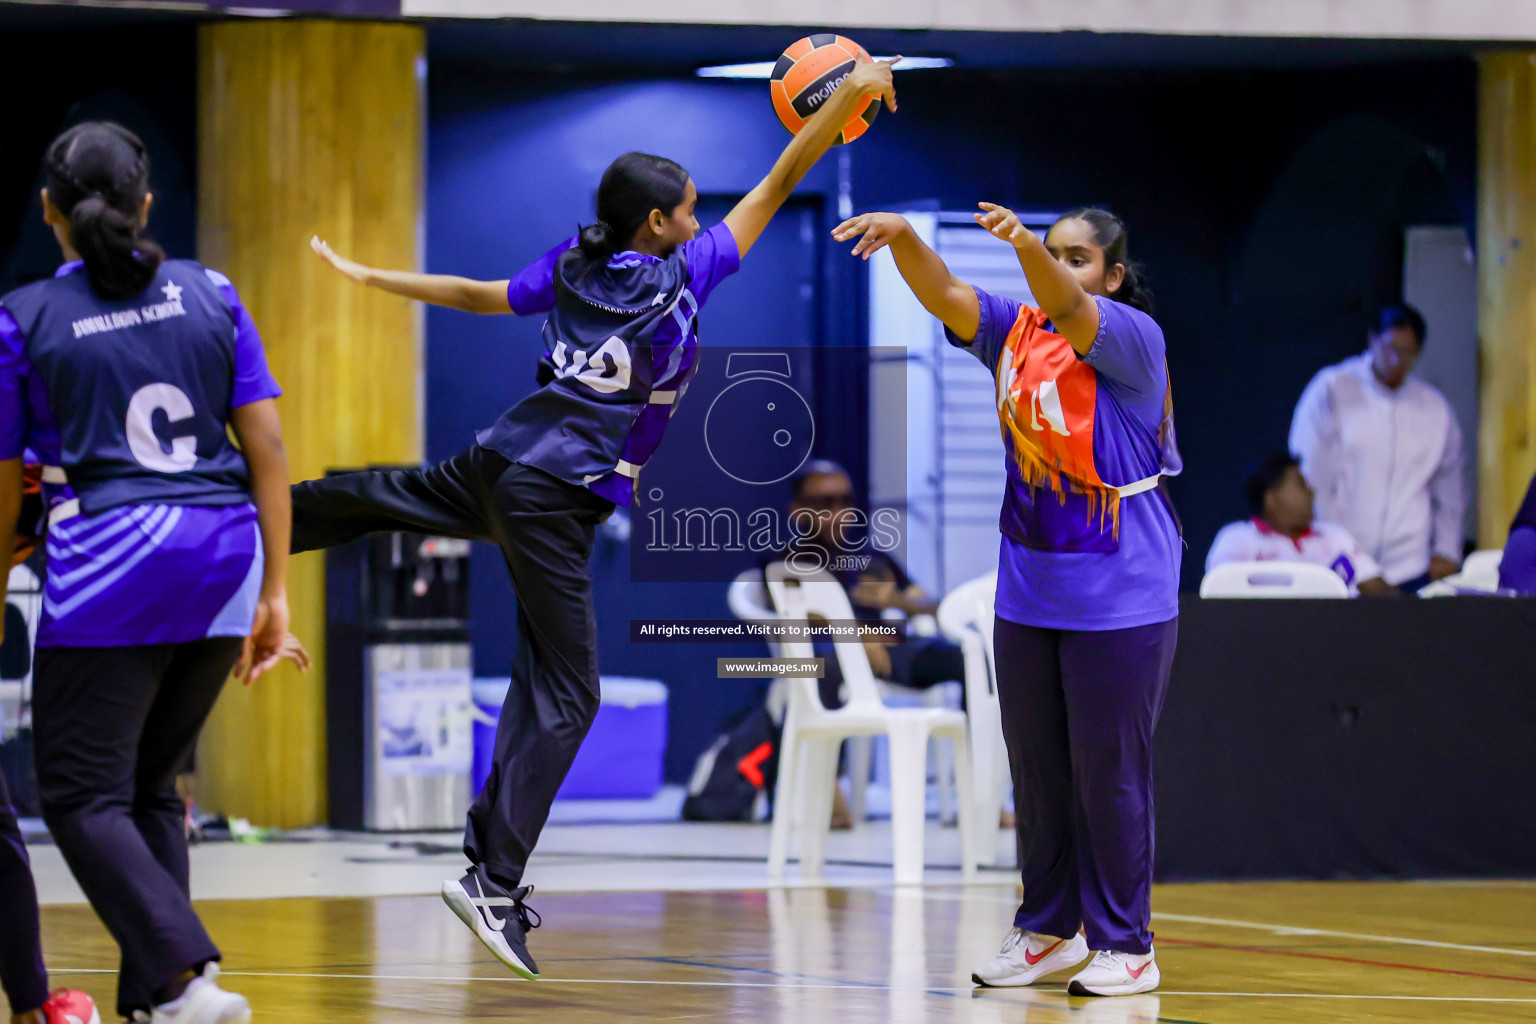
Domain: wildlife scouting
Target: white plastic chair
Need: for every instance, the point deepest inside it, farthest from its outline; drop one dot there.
(861, 750)
(1479, 574)
(812, 734)
(966, 617)
(1481, 569)
(748, 599)
(1272, 579)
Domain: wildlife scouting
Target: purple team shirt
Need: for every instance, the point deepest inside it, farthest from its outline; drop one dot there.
(710, 258)
(148, 573)
(1138, 584)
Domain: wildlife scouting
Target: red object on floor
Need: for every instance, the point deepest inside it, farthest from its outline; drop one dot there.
(68, 1006)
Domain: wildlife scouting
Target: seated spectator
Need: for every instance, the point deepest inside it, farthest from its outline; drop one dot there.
(875, 582)
(1517, 570)
(1283, 530)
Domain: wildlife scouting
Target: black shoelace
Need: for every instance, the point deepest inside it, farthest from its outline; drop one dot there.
(526, 915)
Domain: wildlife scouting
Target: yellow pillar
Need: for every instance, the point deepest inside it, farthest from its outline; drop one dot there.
(306, 127)
(1506, 243)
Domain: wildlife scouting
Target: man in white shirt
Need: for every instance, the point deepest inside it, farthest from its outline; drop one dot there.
(1384, 454)
(1283, 530)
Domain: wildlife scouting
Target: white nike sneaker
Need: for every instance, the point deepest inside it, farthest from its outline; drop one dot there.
(202, 1003)
(1113, 973)
(1026, 957)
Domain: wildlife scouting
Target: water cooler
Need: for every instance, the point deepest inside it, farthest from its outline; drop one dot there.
(398, 689)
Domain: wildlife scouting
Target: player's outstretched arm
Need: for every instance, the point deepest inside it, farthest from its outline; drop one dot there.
(942, 293)
(757, 208)
(438, 289)
(1072, 310)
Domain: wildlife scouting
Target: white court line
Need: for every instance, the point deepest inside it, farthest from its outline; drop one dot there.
(1276, 929)
(1285, 929)
(846, 987)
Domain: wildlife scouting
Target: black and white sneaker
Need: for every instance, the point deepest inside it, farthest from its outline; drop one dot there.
(497, 916)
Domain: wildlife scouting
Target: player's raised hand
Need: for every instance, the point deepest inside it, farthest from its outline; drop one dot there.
(1003, 223)
(874, 78)
(356, 271)
(878, 231)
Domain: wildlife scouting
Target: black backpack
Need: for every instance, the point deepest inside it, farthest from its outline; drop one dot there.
(737, 767)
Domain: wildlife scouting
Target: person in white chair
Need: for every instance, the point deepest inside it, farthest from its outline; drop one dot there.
(1384, 453)
(1284, 528)
(833, 533)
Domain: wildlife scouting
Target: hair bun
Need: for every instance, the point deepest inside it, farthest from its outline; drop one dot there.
(597, 241)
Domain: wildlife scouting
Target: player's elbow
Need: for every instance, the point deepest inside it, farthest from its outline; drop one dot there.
(468, 298)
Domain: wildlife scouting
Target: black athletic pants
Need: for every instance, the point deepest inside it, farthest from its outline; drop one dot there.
(113, 726)
(545, 529)
(21, 950)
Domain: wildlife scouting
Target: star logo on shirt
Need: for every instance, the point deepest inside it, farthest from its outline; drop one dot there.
(172, 291)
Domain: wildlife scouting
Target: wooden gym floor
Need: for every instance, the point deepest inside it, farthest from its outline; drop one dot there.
(1262, 952)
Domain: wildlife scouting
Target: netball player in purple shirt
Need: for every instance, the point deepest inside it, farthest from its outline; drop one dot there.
(621, 347)
(167, 552)
(1087, 591)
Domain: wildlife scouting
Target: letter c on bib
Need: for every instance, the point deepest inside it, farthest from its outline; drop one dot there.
(141, 429)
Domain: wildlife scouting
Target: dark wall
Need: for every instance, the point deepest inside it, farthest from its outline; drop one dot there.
(1267, 206)
(145, 78)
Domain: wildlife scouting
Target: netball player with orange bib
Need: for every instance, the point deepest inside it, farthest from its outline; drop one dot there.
(1087, 590)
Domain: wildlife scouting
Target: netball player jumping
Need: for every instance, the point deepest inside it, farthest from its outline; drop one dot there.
(1087, 589)
(166, 543)
(621, 348)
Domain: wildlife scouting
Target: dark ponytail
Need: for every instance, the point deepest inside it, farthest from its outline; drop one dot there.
(98, 176)
(1110, 235)
(632, 186)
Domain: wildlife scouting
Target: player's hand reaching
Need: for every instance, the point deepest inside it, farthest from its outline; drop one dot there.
(1003, 223)
(879, 230)
(356, 271)
(874, 78)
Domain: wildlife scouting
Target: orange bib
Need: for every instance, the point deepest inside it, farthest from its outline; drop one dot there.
(1046, 397)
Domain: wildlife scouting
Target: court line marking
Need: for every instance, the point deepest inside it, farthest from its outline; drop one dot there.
(860, 987)
(1285, 929)
(1358, 961)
